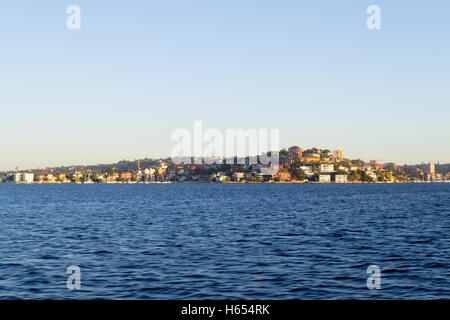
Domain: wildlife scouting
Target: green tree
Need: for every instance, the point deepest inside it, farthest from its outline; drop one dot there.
(325, 154)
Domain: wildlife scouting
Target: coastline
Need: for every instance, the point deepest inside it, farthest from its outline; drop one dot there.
(229, 182)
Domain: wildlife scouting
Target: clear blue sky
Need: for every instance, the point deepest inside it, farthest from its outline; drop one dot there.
(137, 70)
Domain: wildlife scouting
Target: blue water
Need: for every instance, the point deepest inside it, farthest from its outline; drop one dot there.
(230, 241)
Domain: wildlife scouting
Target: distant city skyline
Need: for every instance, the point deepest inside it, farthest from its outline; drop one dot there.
(136, 71)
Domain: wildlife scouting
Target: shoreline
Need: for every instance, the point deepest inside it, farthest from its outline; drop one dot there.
(231, 182)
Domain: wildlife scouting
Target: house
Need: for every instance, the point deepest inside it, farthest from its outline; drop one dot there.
(112, 177)
(77, 176)
(340, 178)
(283, 176)
(221, 177)
(370, 171)
(268, 171)
(125, 176)
(326, 168)
(238, 176)
(311, 158)
(326, 178)
(307, 169)
(161, 164)
(50, 178)
(372, 174)
(149, 171)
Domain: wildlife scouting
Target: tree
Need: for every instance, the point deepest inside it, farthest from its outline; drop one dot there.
(365, 177)
(284, 152)
(325, 154)
(297, 174)
(354, 176)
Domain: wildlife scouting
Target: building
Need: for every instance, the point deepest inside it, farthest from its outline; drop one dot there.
(371, 173)
(221, 177)
(295, 152)
(283, 176)
(50, 178)
(77, 176)
(340, 178)
(268, 171)
(432, 169)
(28, 177)
(23, 177)
(311, 158)
(149, 171)
(311, 155)
(125, 176)
(326, 168)
(391, 166)
(374, 163)
(324, 178)
(17, 177)
(307, 169)
(338, 154)
(238, 176)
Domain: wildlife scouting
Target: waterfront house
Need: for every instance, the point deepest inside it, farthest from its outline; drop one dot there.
(340, 178)
(238, 176)
(324, 178)
(282, 176)
(23, 177)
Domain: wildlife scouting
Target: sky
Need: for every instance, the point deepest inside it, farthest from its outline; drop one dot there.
(138, 70)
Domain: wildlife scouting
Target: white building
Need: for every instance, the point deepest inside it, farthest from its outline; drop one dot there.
(326, 167)
(324, 178)
(23, 177)
(372, 174)
(308, 170)
(238, 176)
(268, 171)
(17, 177)
(340, 178)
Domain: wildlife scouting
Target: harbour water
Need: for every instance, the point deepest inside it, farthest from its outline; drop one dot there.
(225, 241)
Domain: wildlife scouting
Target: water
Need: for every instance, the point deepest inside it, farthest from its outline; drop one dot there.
(235, 241)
